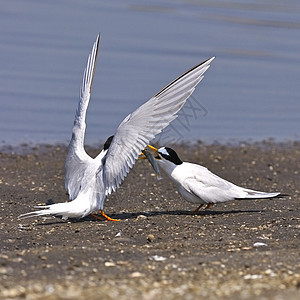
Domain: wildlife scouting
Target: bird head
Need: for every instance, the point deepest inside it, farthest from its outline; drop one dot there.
(107, 143)
(103, 154)
(166, 154)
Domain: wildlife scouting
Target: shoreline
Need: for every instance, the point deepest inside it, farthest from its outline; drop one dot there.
(28, 147)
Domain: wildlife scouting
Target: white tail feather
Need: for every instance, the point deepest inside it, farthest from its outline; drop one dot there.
(252, 194)
(73, 209)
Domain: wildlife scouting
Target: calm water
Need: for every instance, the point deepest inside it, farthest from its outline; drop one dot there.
(251, 91)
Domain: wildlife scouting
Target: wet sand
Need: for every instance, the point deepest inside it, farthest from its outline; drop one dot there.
(237, 250)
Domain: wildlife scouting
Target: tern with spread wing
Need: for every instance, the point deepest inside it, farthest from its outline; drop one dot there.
(89, 180)
(198, 185)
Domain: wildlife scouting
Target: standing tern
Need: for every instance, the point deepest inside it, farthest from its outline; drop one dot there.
(89, 180)
(197, 184)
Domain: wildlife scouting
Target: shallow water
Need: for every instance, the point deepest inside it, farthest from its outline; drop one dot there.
(251, 91)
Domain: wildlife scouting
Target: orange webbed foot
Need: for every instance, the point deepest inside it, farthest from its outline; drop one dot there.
(104, 216)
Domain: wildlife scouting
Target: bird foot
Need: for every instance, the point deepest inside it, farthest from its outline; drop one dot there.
(209, 205)
(196, 210)
(104, 216)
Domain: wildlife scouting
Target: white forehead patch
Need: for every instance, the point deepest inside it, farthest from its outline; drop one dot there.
(163, 150)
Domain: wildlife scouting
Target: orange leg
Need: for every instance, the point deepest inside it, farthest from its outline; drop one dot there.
(197, 209)
(104, 216)
(209, 205)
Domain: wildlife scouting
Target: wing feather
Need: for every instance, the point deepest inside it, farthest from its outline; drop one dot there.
(85, 94)
(77, 158)
(209, 187)
(140, 127)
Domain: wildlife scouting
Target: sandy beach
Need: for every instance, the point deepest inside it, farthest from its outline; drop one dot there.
(237, 250)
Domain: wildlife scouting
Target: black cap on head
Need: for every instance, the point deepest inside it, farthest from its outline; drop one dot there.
(108, 142)
(170, 155)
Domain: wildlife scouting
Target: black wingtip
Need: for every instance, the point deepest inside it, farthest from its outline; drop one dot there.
(184, 74)
(98, 39)
(282, 195)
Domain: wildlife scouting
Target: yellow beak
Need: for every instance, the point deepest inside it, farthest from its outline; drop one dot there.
(155, 151)
(153, 148)
(143, 156)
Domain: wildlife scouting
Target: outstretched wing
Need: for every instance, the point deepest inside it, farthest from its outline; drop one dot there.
(77, 158)
(140, 127)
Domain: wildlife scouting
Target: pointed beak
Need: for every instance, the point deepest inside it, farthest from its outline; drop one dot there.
(142, 155)
(153, 148)
(155, 151)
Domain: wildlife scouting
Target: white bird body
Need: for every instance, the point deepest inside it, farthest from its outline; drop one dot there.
(197, 184)
(89, 180)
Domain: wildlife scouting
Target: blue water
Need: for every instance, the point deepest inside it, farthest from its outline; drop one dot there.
(251, 91)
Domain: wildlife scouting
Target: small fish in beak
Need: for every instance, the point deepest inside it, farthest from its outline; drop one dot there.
(153, 163)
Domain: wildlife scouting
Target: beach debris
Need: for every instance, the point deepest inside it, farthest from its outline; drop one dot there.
(136, 275)
(157, 258)
(141, 217)
(109, 264)
(253, 276)
(150, 238)
(259, 244)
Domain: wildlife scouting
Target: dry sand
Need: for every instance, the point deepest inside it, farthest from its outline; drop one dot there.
(158, 250)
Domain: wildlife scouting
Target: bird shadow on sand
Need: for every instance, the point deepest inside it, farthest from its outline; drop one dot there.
(150, 214)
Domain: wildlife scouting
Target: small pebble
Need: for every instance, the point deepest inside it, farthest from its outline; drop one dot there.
(136, 275)
(109, 264)
(157, 258)
(150, 238)
(259, 244)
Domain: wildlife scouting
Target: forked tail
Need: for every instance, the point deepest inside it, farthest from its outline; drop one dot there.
(72, 209)
(252, 194)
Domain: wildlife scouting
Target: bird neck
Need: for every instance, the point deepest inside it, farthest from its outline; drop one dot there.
(166, 165)
(101, 156)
